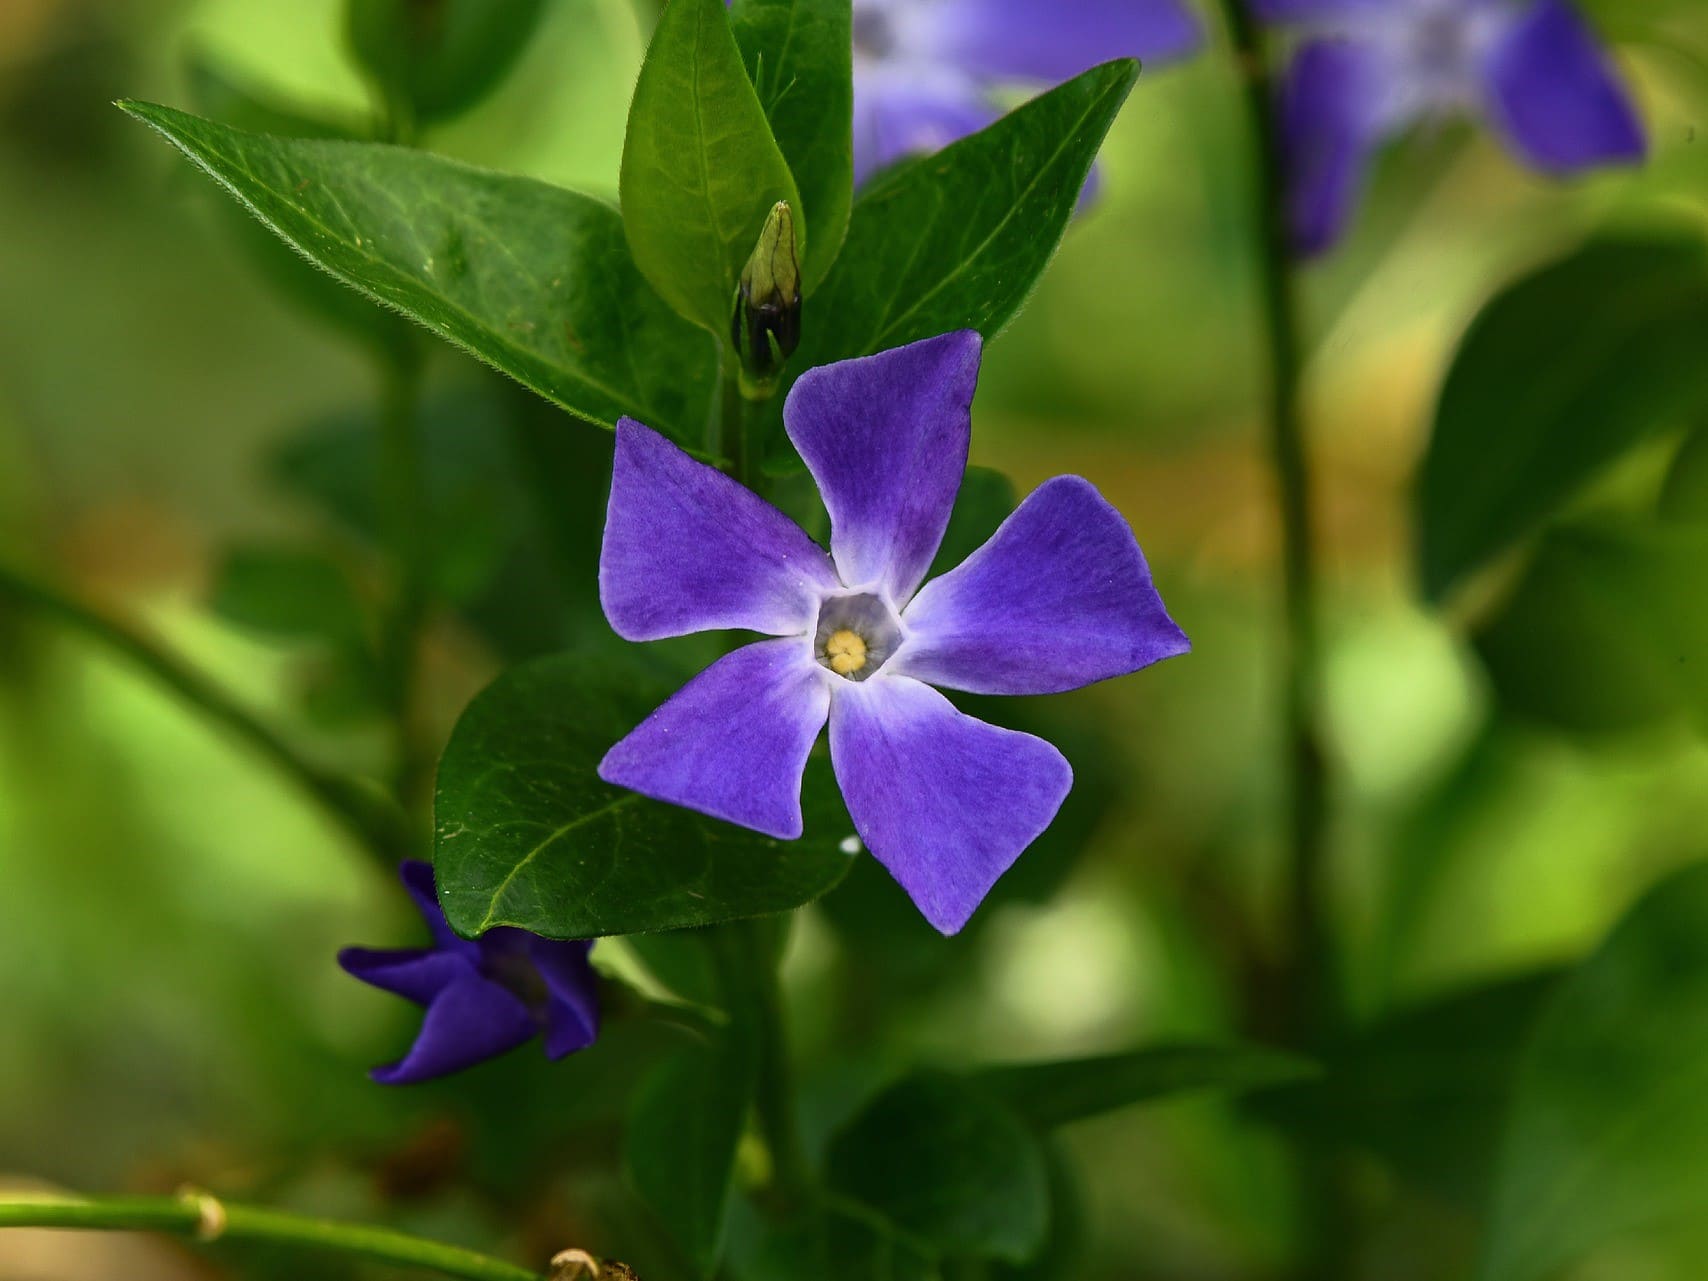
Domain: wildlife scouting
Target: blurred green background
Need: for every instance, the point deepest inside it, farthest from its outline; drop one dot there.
(170, 910)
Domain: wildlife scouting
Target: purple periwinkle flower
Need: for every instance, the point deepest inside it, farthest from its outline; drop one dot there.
(925, 70)
(1058, 598)
(1369, 69)
(483, 996)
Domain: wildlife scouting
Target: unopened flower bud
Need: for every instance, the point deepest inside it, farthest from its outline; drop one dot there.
(766, 323)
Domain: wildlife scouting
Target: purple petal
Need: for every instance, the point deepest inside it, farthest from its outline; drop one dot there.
(1058, 598)
(416, 974)
(1332, 117)
(687, 549)
(901, 111)
(733, 741)
(944, 801)
(471, 1020)
(885, 437)
(572, 1016)
(417, 878)
(1053, 40)
(1553, 92)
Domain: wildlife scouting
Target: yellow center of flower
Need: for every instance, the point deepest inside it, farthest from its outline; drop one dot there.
(846, 651)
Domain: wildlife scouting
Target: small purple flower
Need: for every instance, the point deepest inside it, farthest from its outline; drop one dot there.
(1369, 69)
(924, 70)
(1058, 598)
(484, 996)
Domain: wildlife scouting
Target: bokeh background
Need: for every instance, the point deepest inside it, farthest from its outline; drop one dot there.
(170, 1009)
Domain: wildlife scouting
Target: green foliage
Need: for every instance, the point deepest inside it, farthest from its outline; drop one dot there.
(1559, 376)
(799, 56)
(950, 1165)
(700, 168)
(1062, 1091)
(534, 280)
(1684, 497)
(288, 592)
(1607, 629)
(1610, 1118)
(526, 833)
(434, 59)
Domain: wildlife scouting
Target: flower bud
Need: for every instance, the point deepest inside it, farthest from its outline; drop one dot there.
(765, 326)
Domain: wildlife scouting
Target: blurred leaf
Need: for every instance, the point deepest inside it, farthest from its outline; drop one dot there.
(799, 55)
(288, 592)
(949, 1164)
(687, 1121)
(220, 97)
(1684, 496)
(528, 834)
(1427, 1088)
(700, 167)
(1558, 376)
(985, 500)
(1065, 1090)
(1608, 628)
(956, 240)
(1063, 1255)
(1610, 1118)
(530, 278)
(841, 1241)
(438, 58)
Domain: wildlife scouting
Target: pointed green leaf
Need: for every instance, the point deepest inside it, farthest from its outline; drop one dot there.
(799, 55)
(535, 280)
(439, 59)
(1061, 1091)
(1557, 378)
(1610, 1118)
(526, 833)
(957, 240)
(700, 167)
(948, 1163)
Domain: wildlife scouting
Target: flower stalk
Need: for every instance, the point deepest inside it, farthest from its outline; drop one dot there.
(205, 1218)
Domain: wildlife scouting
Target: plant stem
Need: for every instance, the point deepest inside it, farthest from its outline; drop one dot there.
(369, 818)
(1308, 985)
(403, 503)
(207, 1219)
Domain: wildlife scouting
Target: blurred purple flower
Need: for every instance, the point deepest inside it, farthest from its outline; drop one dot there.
(924, 69)
(1369, 69)
(1058, 598)
(483, 996)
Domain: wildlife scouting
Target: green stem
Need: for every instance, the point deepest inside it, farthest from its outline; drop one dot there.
(403, 502)
(368, 818)
(207, 1219)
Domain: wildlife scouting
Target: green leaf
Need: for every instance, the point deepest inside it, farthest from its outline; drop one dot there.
(840, 1241)
(700, 167)
(1610, 1118)
(1607, 629)
(1559, 376)
(1684, 496)
(288, 592)
(956, 240)
(799, 55)
(1065, 1090)
(985, 500)
(528, 834)
(532, 279)
(950, 1165)
(680, 1147)
(437, 59)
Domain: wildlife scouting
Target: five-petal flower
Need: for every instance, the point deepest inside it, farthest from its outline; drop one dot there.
(1369, 69)
(924, 70)
(1058, 598)
(483, 996)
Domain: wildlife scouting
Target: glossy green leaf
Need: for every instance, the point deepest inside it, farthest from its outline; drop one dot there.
(436, 60)
(1559, 376)
(1056, 1092)
(799, 55)
(700, 167)
(527, 834)
(948, 1163)
(680, 1147)
(534, 280)
(1607, 629)
(1610, 1118)
(956, 240)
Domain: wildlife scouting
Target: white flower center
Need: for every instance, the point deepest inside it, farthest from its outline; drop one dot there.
(857, 633)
